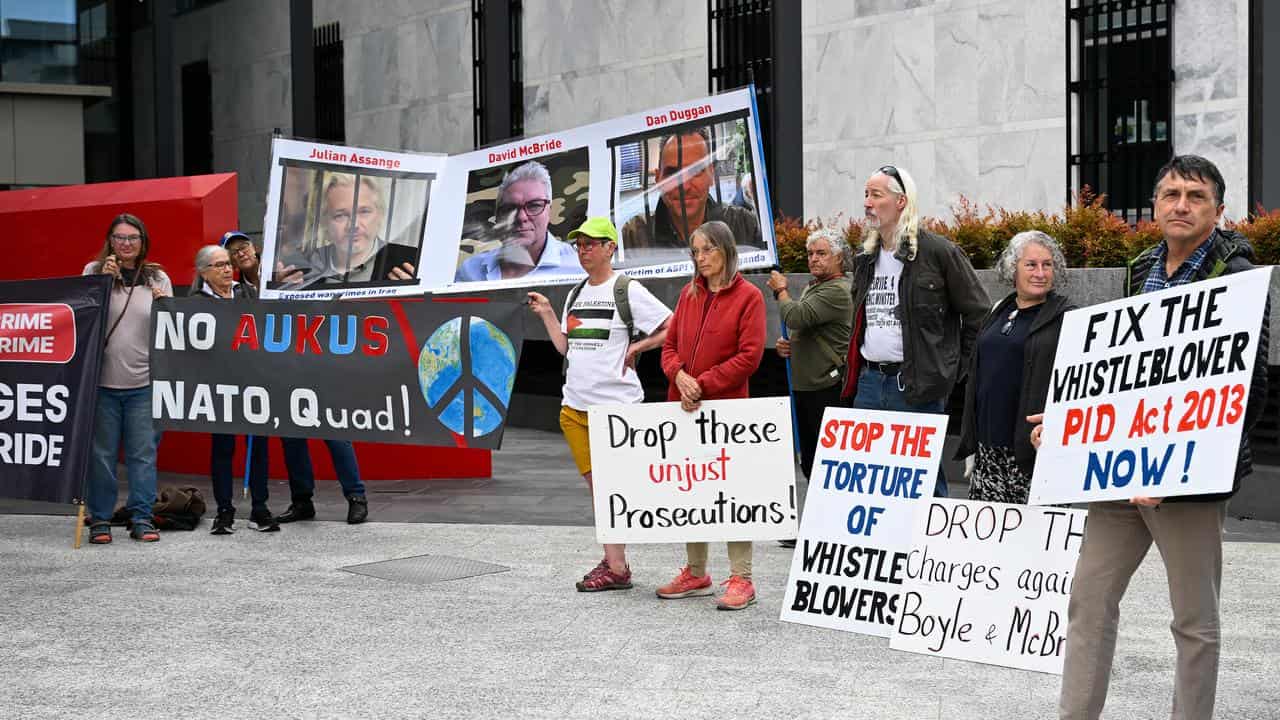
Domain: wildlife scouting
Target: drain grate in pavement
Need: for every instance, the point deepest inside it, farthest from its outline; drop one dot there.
(426, 569)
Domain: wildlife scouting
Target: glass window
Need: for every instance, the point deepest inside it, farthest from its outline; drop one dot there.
(38, 41)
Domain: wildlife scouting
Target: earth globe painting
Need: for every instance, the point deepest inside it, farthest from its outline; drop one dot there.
(467, 369)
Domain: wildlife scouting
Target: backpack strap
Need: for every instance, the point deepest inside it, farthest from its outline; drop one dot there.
(622, 302)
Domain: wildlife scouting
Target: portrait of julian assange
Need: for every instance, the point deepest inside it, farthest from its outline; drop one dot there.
(341, 229)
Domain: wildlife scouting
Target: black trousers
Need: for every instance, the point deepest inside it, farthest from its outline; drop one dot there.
(223, 449)
(810, 405)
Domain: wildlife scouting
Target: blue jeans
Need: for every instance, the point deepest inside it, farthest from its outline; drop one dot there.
(302, 478)
(221, 454)
(123, 419)
(877, 391)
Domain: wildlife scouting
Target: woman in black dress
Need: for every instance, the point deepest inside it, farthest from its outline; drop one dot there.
(1011, 367)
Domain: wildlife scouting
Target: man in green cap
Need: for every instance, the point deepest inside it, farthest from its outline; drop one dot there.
(608, 320)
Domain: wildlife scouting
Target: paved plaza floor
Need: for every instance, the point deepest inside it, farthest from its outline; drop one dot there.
(297, 623)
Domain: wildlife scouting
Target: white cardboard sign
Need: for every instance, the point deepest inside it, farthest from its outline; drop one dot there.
(723, 472)
(1148, 393)
(989, 583)
(871, 470)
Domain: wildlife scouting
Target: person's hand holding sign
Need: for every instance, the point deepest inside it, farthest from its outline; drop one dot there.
(690, 391)
(404, 271)
(111, 266)
(1037, 422)
(783, 346)
(287, 275)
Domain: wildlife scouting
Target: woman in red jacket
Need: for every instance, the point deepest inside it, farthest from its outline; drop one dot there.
(714, 344)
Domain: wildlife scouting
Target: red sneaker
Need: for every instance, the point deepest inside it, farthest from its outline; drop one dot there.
(740, 594)
(686, 585)
(602, 578)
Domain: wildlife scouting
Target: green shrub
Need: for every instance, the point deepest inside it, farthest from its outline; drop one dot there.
(1089, 233)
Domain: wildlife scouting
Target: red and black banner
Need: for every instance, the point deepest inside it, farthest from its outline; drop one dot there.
(50, 356)
(402, 371)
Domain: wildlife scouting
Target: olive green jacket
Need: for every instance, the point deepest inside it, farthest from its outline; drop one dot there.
(819, 324)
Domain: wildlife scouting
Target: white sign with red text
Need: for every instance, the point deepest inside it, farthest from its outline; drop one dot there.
(872, 470)
(723, 472)
(1150, 394)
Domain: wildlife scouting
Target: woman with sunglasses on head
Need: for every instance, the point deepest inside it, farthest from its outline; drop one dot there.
(123, 418)
(1010, 371)
(715, 341)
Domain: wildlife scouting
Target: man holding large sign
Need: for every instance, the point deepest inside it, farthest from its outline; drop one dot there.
(1171, 386)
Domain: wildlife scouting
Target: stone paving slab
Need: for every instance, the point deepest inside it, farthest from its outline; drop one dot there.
(268, 625)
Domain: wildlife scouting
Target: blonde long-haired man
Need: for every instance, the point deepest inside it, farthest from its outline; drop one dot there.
(917, 307)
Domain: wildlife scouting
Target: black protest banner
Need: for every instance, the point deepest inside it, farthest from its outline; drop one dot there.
(414, 372)
(50, 355)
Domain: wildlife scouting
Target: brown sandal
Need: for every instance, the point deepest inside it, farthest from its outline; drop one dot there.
(100, 533)
(144, 532)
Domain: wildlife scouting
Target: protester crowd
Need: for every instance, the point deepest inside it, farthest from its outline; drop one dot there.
(893, 325)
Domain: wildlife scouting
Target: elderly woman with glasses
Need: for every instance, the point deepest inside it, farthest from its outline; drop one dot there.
(216, 272)
(1010, 371)
(123, 417)
(715, 341)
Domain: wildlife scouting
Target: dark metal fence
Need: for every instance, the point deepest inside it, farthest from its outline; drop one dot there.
(740, 51)
(481, 77)
(1119, 99)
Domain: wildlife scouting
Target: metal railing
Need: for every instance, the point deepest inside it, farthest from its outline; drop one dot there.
(1119, 99)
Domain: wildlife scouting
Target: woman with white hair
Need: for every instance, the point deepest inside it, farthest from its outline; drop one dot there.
(214, 267)
(1010, 371)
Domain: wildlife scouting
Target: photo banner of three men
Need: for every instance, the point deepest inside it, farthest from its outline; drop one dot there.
(356, 223)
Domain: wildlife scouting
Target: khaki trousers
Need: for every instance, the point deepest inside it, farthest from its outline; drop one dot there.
(739, 558)
(1117, 537)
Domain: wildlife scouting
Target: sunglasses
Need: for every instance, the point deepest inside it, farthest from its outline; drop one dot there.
(892, 172)
(588, 244)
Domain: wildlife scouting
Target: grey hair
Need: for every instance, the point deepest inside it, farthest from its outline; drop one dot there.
(204, 256)
(1007, 264)
(835, 238)
(532, 170)
(720, 236)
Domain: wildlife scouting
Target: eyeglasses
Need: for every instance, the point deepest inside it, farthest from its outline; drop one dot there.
(126, 239)
(533, 208)
(219, 265)
(245, 249)
(696, 253)
(892, 172)
(588, 244)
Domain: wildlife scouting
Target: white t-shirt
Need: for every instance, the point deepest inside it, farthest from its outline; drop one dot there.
(598, 344)
(883, 339)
